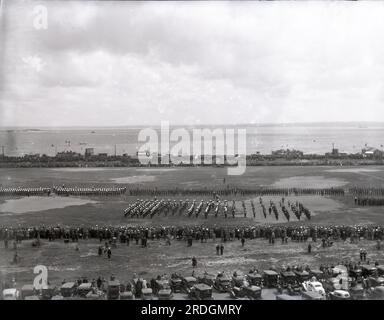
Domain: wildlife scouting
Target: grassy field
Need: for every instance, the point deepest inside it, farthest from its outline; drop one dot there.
(64, 262)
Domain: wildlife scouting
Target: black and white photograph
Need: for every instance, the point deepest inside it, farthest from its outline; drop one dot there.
(211, 152)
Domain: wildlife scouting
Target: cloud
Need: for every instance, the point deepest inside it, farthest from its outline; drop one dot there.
(129, 63)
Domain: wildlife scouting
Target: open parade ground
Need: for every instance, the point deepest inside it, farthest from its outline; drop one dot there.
(80, 259)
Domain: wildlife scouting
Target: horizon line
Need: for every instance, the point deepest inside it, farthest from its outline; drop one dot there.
(201, 124)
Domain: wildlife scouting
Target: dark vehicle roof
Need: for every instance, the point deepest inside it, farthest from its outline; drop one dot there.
(253, 288)
(86, 285)
(368, 267)
(202, 287)
(270, 272)
(379, 289)
(287, 297)
(28, 287)
(190, 279)
(316, 271)
(50, 287)
(288, 274)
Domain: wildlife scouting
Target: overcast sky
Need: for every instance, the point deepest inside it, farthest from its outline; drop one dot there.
(130, 63)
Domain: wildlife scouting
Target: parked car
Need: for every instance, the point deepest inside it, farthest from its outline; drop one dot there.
(11, 294)
(312, 295)
(83, 289)
(314, 286)
(368, 271)
(201, 291)
(255, 279)
(48, 292)
(176, 283)
(147, 294)
(339, 295)
(68, 289)
(250, 292)
(270, 278)
(113, 290)
(302, 275)
(187, 283)
(163, 289)
(288, 297)
(28, 290)
(238, 279)
(375, 282)
(223, 283)
(380, 270)
(206, 278)
(376, 293)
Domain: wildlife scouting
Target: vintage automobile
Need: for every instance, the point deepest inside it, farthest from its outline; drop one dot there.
(313, 286)
(355, 274)
(187, 284)
(35, 297)
(27, 290)
(68, 289)
(376, 293)
(368, 270)
(302, 275)
(83, 289)
(127, 295)
(255, 279)
(312, 295)
(48, 292)
(380, 270)
(288, 297)
(317, 273)
(201, 291)
(238, 279)
(251, 292)
(357, 291)
(222, 282)
(339, 295)
(270, 278)
(375, 282)
(206, 278)
(338, 283)
(57, 297)
(113, 290)
(176, 283)
(147, 294)
(91, 295)
(163, 290)
(11, 294)
(287, 278)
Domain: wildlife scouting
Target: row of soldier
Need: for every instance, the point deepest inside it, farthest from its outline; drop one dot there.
(369, 201)
(335, 232)
(90, 191)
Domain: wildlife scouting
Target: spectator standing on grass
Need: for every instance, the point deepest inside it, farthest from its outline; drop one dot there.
(194, 262)
(217, 249)
(222, 249)
(242, 241)
(309, 248)
(109, 252)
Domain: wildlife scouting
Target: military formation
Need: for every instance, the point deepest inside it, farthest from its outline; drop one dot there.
(235, 191)
(369, 201)
(20, 191)
(197, 232)
(148, 208)
(93, 191)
